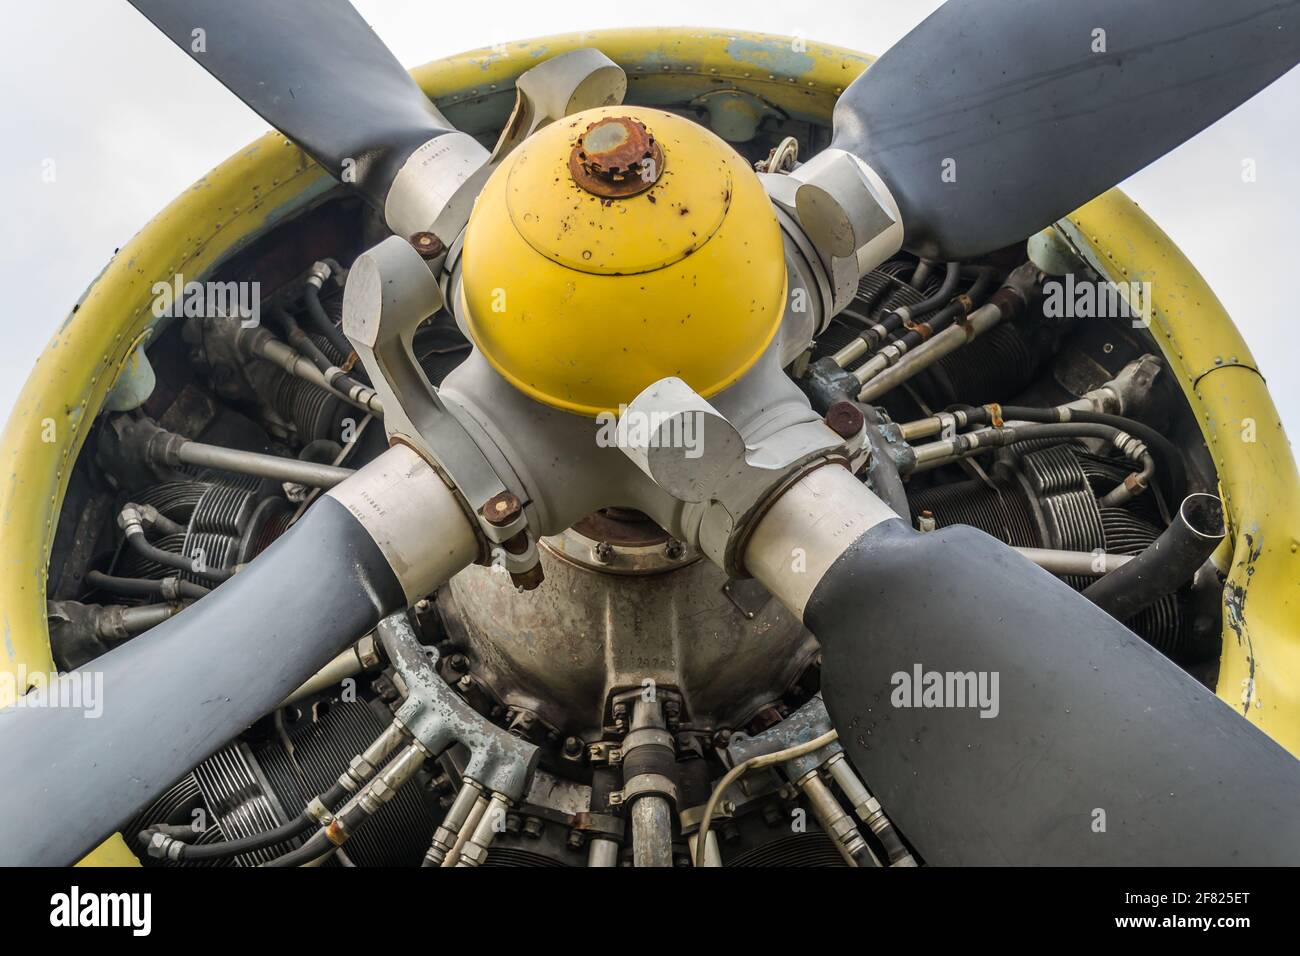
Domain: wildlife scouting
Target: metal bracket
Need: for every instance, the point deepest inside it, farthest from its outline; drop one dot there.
(807, 723)
(389, 292)
(748, 595)
(437, 717)
(849, 217)
(570, 83)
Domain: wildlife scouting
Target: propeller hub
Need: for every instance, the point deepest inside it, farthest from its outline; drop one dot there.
(617, 247)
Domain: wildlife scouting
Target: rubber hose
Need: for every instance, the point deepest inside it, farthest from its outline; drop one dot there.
(1168, 562)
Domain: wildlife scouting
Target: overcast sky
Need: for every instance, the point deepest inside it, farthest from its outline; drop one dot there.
(129, 122)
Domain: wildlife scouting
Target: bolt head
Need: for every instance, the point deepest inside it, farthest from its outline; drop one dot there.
(845, 419)
(427, 245)
(501, 509)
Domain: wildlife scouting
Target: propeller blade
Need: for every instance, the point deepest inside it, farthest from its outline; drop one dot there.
(315, 71)
(171, 697)
(994, 118)
(1002, 718)
(1086, 726)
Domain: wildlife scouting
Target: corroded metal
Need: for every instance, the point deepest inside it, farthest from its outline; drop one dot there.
(616, 157)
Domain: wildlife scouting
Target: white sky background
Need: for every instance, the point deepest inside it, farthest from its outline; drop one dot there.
(130, 122)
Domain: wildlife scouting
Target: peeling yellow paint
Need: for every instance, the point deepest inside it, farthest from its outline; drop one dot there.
(1259, 672)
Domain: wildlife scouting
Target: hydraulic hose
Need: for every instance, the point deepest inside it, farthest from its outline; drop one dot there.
(889, 323)
(972, 443)
(158, 521)
(261, 343)
(920, 274)
(177, 693)
(316, 846)
(755, 763)
(918, 332)
(300, 340)
(131, 522)
(175, 849)
(946, 290)
(1005, 304)
(1168, 562)
(168, 588)
(180, 851)
(338, 379)
(1174, 470)
(321, 320)
(361, 808)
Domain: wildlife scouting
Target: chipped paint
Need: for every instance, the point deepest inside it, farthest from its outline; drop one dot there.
(1258, 479)
(1234, 619)
(776, 56)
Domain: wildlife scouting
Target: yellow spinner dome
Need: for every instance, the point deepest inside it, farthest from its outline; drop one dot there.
(614, 248)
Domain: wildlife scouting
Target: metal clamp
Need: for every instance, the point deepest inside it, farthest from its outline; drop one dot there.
(643, 785)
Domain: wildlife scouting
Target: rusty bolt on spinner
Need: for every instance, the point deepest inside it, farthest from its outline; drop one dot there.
(616, 157)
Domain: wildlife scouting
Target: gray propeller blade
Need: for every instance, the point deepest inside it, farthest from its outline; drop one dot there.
(994, 118)
(175, 695)
(1002, 718)
(316, 72)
